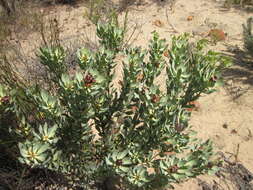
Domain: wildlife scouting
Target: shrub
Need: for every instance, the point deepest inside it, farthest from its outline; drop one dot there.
(242, 3)
(92, 129)
(247, 35)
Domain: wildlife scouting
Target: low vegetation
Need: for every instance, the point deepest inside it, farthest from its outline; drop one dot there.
(242, 3)
(248, 36)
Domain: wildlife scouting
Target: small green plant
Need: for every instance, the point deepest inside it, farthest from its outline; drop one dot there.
(238, 2)
(93, 130)
(234, 1)
(110, 36)
(97, 10)
(247, 35)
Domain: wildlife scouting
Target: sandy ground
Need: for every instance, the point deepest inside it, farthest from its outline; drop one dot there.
(225, 116)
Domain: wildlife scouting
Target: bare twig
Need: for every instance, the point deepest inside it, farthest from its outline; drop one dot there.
(237, 152)
(21, 178)
(131, 35)
(171, 25)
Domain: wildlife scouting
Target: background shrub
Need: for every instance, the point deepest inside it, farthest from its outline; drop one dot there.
(247, 35)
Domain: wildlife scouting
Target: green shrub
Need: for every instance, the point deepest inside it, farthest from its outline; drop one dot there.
(247, 35)
(92, 130)
(238, 2)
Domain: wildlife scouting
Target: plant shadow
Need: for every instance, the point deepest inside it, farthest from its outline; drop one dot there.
(231, 175)
(239, 77)
(243, 66)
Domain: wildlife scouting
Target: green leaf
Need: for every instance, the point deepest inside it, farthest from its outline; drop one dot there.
(121, 155)
(191, 163)
(65, 79)
(124, 169)
(52, 131)
(108, 161)
(44, 96)
(178, 176)
(213, 170)
(79, 77)
(99, 77)
(41, 148)
(23, 150)
(41, 157)
(127, 161)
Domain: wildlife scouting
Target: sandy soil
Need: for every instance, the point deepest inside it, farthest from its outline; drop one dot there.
(225, 116)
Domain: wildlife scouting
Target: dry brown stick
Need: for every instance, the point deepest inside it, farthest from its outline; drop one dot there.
(171, 25)
(237, 152)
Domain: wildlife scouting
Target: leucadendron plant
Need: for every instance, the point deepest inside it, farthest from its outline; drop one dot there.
(98, 125)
